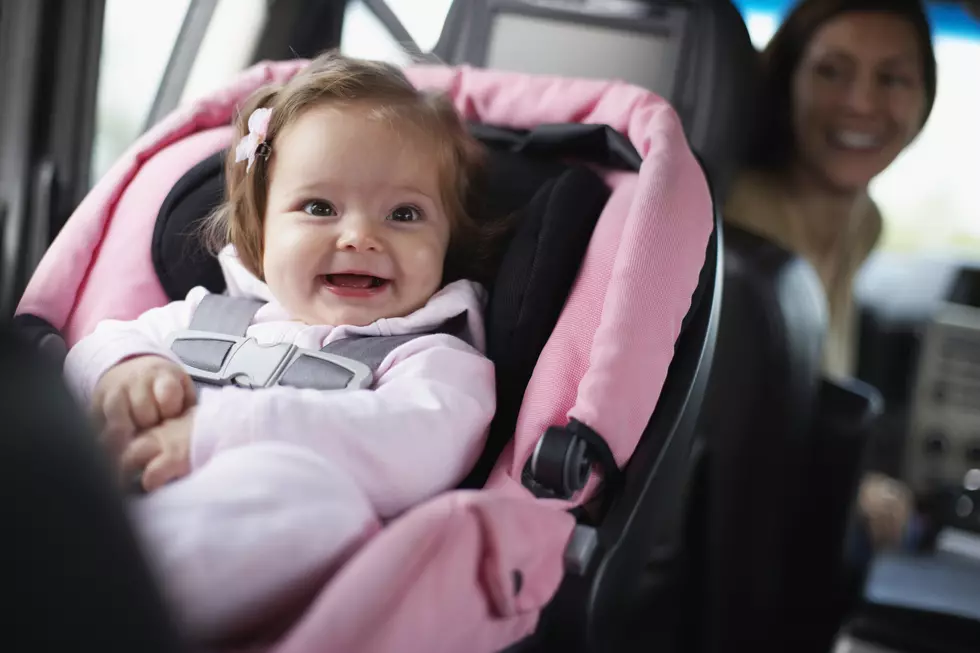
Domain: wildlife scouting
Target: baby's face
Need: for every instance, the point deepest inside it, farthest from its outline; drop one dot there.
(355, 229)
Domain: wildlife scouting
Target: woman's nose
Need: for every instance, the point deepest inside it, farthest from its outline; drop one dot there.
(358, 233)
(863, 95)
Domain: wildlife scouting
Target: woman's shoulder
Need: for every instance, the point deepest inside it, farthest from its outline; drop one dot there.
(869, 232)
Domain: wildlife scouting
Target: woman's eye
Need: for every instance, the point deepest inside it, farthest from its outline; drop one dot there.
(827, 71)
(889, 79)
(319, 209)
(405, 214)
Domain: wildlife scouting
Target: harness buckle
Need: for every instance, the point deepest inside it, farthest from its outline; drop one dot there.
(218, 359)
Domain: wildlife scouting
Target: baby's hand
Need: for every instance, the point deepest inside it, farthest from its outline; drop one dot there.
(138, 394)
(162, 453)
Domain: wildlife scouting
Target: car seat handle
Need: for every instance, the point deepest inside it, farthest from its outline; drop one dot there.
(559, 463)
(562, 462)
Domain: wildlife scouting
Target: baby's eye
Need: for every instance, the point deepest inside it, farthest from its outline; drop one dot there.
(319, 209)
(405, 214)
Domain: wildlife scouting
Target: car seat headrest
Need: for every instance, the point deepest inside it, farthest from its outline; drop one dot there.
(517, 164)
(179, 256)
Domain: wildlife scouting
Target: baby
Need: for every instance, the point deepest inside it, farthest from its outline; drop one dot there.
(345, 215)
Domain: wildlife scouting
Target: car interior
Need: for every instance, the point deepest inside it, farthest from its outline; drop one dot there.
(730, 529)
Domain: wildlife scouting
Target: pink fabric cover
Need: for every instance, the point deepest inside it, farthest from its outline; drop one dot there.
(440, 577)
(74, 286)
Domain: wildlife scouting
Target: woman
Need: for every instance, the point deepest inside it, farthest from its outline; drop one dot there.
(847, 85)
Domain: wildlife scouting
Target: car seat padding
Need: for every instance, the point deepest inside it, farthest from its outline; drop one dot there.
(179, 257)
(554, 205)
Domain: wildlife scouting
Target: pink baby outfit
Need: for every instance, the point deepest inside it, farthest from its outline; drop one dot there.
(286, 482)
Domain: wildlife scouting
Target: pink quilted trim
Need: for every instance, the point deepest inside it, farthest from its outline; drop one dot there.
(54, 288)
(125, 244)
(442, 578)
(606, 368)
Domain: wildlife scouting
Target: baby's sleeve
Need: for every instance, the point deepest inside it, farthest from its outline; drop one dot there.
(114, 341)
(416, 434)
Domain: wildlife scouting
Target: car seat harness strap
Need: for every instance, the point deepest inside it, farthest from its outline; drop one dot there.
(215, 351)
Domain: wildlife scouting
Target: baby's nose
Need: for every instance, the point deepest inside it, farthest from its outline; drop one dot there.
(359, 235)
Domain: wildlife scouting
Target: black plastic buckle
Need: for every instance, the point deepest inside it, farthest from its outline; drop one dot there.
(560, 464)
(563, 459)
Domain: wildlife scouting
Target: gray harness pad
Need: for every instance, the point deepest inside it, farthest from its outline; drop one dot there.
(216, 351)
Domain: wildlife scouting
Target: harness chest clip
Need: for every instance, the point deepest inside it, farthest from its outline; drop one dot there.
(218, 359)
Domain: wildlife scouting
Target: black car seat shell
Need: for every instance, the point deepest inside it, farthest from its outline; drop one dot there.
(696, 54)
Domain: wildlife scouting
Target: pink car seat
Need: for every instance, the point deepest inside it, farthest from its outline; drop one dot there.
(601, 323)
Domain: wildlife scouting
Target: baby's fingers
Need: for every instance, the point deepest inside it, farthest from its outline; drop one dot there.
(170, 395)
(143, 404)
(116, 420)
(138, 455)
(190, 390)
(162, 470)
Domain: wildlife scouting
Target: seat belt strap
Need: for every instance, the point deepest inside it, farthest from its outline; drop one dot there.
(372, 350)
(229, 316)
(215, 351)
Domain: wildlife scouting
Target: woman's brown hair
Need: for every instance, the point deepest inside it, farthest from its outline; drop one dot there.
(334, 78)
(773, 142)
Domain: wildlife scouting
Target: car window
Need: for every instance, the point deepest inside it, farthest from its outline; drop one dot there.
(929, 196)
(137, 41)
(137, 37)
(364, 35)
(227, 47)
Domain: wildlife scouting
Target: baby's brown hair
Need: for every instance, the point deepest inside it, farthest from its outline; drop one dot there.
(337, 79)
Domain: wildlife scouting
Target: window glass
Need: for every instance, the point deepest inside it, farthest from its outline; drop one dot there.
(928, 196)
(137, 42)
(228, 44)
(365, 36)
(137, 37)
(423, 20)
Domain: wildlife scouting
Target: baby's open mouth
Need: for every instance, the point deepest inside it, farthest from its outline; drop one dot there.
(355, 281)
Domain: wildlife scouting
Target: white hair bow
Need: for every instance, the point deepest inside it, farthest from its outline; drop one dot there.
(249, 146)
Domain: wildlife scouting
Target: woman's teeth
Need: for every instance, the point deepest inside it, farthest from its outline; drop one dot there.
(856, 140)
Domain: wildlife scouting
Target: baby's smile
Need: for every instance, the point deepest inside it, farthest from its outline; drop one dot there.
(354, 284)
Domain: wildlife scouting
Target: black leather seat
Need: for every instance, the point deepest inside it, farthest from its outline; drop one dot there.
(626, 599)
(783, 450)
(758, 411)
(697, 54)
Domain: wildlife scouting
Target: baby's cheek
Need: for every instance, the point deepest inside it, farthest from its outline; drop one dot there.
(427, 264)
(272, 264)
(280, 275)
(291, 249)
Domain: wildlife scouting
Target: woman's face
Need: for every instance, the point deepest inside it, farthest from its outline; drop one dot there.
(858, 97)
